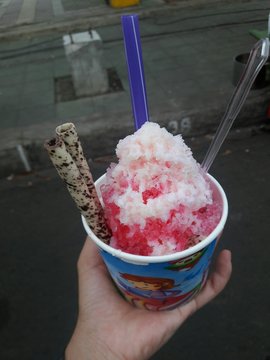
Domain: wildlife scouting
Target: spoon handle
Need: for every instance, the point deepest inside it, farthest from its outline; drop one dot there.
(257, 58)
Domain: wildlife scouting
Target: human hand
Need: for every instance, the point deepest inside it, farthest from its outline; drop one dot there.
(109, 328)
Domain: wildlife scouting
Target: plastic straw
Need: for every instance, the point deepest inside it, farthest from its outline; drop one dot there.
(130, 26)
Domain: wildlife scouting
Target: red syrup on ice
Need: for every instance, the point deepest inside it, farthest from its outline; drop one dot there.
(135, 240)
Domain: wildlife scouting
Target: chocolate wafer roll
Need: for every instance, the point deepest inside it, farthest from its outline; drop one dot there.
(77, 187)
(67, 132)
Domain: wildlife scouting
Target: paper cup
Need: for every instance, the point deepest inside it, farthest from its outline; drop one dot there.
(162, 282)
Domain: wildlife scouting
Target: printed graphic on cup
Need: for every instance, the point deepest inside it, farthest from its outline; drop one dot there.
(172, 284)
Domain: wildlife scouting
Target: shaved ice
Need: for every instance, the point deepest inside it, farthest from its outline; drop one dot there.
(157, 200)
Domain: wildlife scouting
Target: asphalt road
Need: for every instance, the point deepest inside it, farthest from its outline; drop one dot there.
(41, 237)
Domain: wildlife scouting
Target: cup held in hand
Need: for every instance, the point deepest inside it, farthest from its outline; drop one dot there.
(162, 282)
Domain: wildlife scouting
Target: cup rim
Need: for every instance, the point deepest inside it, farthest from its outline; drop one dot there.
(142, 259)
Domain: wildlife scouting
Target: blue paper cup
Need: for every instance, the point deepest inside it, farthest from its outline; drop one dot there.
(162, 282)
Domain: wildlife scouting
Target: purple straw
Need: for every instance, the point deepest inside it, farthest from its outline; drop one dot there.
(130, 25)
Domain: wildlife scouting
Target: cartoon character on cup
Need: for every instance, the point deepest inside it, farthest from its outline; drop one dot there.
(150, 292)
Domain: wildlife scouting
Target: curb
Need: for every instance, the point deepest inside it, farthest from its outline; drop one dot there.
(100, 133)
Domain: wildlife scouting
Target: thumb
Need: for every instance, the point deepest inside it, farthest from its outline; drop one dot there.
(216, 282)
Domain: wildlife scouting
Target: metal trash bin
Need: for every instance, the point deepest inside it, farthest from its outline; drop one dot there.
(239, 63)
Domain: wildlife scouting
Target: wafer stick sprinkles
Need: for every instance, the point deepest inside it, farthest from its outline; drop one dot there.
(66, 154)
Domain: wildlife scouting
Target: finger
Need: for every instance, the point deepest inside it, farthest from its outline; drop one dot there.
(93, 274)
(95, 283)
(217, 280)
(214, 285)
(89, 257)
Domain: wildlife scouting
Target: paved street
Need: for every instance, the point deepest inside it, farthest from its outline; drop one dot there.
(18, 12)
(23, 12)
(41, 237)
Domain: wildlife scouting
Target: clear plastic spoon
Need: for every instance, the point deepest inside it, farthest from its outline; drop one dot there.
(257, 59)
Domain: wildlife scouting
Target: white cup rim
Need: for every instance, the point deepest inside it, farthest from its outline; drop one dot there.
(141, 259)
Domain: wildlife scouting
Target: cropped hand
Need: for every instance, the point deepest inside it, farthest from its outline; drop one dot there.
(109, 328)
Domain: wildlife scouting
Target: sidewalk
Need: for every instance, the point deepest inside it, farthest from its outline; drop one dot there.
(16, 13)
(188, 57)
